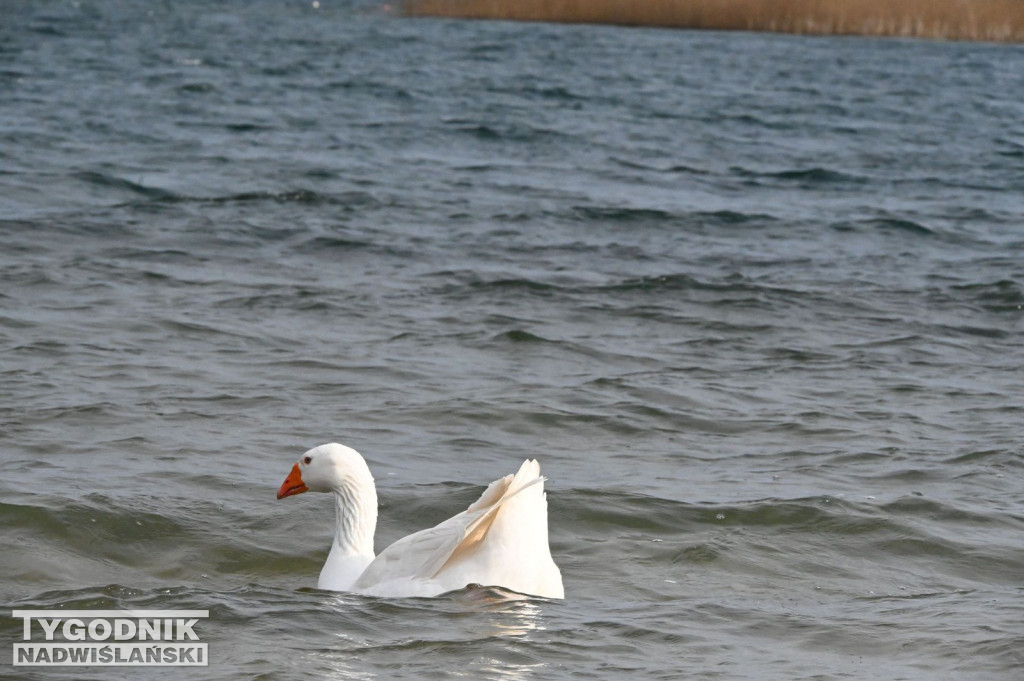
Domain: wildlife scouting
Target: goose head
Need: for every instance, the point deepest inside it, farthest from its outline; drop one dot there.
(327, 468)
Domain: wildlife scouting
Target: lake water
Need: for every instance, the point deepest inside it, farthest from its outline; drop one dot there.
(754, 302)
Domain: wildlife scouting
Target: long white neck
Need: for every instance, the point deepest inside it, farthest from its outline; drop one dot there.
(355, 504)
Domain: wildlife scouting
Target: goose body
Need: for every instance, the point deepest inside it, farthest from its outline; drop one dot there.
(500, 540)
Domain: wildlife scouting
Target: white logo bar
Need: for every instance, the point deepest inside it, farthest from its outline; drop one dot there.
(129, 614)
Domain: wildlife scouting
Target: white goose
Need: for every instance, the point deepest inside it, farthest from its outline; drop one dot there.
(501, 540)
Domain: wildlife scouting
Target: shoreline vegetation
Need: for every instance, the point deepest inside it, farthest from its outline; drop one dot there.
(980, 20)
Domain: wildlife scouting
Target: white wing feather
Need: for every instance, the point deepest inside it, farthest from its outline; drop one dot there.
(427, 555)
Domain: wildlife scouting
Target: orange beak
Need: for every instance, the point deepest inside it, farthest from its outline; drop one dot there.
(292, 484)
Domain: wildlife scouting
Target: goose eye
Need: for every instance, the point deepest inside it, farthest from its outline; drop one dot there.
(308, 460)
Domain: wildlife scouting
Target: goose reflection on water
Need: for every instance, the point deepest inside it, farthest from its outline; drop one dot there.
(513, 614)
(485, 631)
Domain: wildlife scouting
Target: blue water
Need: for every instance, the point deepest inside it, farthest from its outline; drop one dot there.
(754, 302)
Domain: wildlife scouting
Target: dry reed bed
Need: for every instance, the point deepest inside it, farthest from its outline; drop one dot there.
(987, 20)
